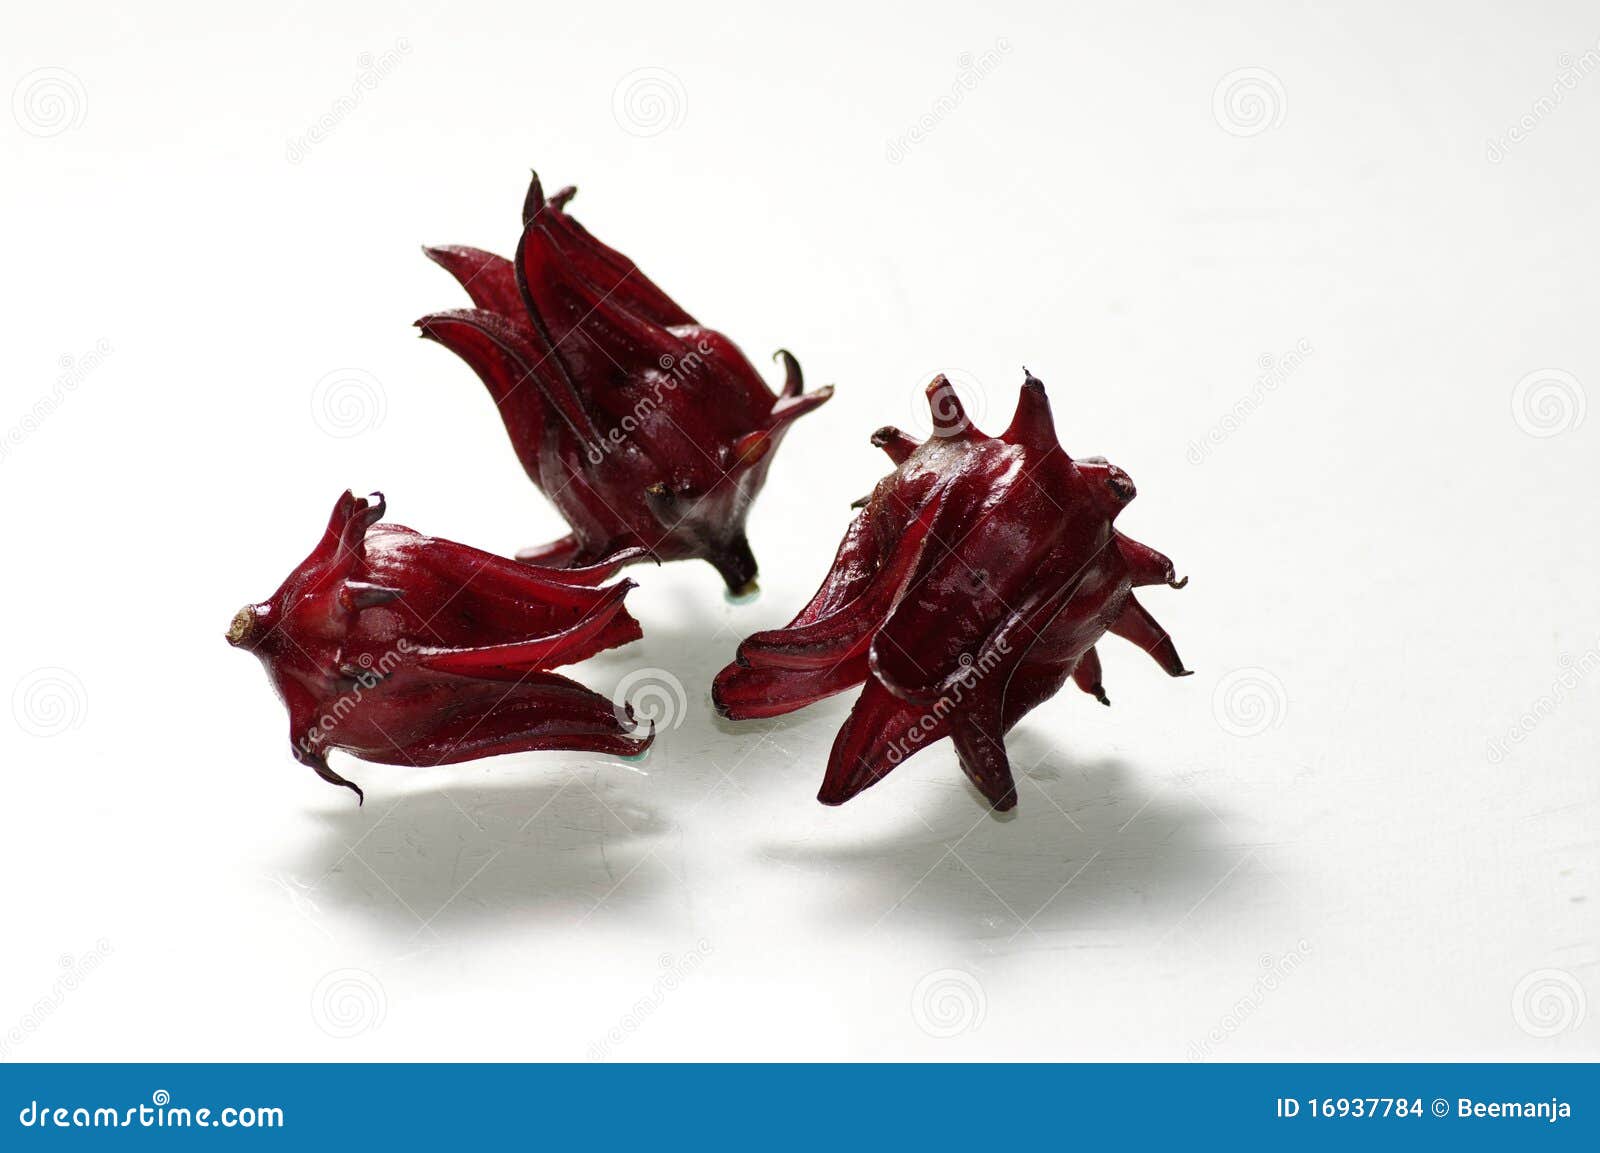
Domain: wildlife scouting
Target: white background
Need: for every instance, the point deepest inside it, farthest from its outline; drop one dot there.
(1318, 857)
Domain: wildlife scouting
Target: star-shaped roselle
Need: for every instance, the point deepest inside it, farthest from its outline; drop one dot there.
(976, 580)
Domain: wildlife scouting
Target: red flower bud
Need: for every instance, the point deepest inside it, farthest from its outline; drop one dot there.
(974, 582)
(408, 650)
(643, 428)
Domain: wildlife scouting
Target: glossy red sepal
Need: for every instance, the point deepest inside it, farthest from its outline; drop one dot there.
(409, 650)
(645, 429)
(973, 584)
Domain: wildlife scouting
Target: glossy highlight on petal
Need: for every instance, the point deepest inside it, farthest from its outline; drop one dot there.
(650, 433)
(973, 584)
(405, 649)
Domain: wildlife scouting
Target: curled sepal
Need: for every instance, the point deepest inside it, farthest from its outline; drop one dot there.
(405, 649)
(973, 585)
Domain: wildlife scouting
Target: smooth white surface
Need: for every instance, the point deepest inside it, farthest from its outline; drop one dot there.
(1382, 535)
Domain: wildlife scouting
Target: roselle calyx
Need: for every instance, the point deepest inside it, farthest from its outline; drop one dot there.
(644, 428)
(409, 650)
(975, 581)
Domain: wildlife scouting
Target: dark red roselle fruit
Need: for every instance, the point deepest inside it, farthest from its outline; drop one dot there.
(974, 582)
(409, 650)
(644, 429)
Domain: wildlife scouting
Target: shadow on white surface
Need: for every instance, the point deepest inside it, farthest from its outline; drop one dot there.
(1093, 845)
(438, 856)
